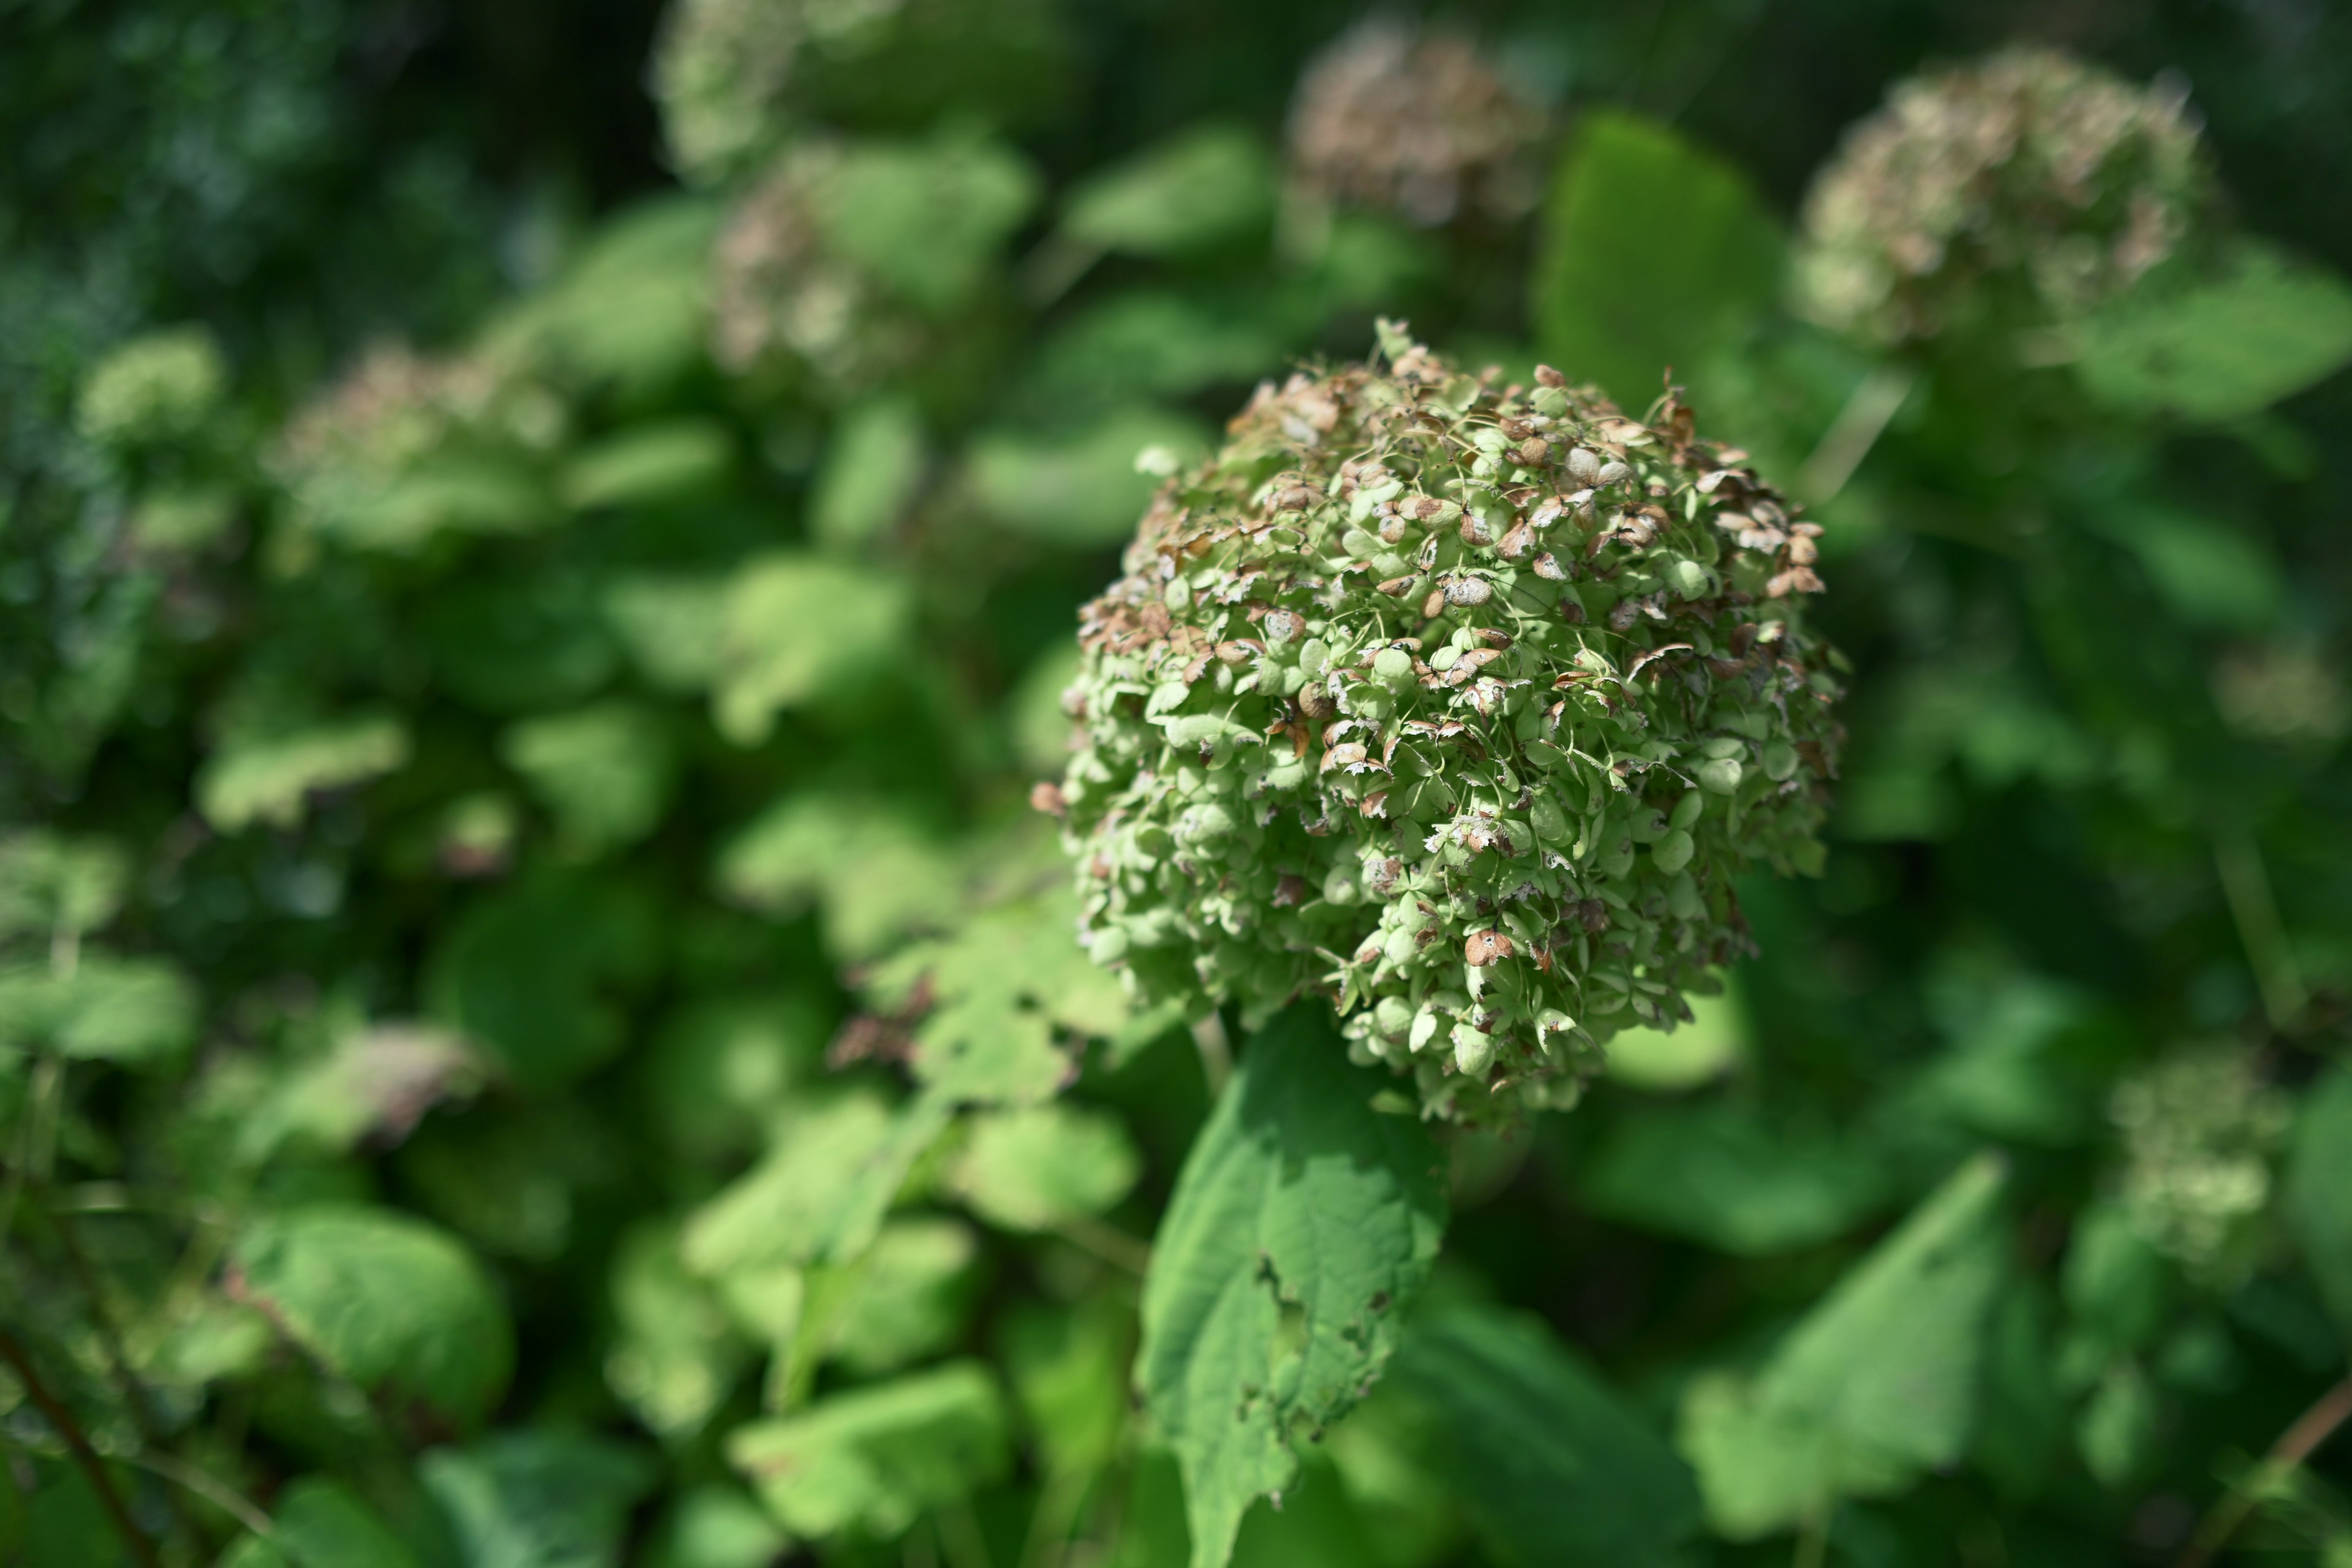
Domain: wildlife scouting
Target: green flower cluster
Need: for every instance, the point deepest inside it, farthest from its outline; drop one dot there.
(347, 455)
(2201, 1129)
(156, 388)
(1461, 704)
(2030, 184)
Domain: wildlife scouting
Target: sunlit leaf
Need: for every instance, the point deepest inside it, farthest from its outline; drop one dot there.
(131, 1011)
(1877, 1385)
(1206, 186)
(269, 776)
(1654, 253)
(386, 1301)
(676, 459)
(872, 1460)
(1033, 1169)
(915, 1285)
(2263, 327)
(927, 218)
(1078, 488)
(324, 1524)
(1303, 1225)
(604, 771)
(798, 628)
(872, 469)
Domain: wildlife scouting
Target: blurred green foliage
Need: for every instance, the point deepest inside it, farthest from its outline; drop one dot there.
(538, 1027)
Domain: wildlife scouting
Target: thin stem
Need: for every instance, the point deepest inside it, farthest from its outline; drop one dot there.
(210, 1487)
(1108, 1242)
(85, 1457)
(2297, 1444)
(1854, 432)
(2246, 885)
(1812, 1541)
(1216, 1052)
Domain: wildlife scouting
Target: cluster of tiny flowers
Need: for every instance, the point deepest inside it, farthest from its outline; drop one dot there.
(1417, 125)
(396, 406)
(719, 71)
(2200, 1130)
(2030, 182)
(1457, 703)
(2286, 694)
(785, 302)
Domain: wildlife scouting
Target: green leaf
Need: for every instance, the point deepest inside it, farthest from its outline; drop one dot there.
(387, 1301)
(879, 872)
(1695, 1053)
(604, 771)
(269, 776)
(52, 884)
(820, 1194)
(1875, 1388)
(1080, 487)
(2262, 327)
(1201, 188)
(2117, 1286)
(532, 972)
(797, 629)
(1723, 1175)
(872, 470)
(673, 1355)
(871, 1461)
(2207, 570)
(2319, 1177)
(717, 1525)
(672, 460)
(511, 644)
(996, 992)
(633, 308)
(538, 1499)
(2118, 1433)
(927, 220)
(673, 628)
(722, 1066)
(131, 1011)
(324, 1524)
(374, 1083)
(1549, 1463)
(1069, 1371)
(1038, 1168)
(1654, 253)
(914, 1291)
(1303, 1223)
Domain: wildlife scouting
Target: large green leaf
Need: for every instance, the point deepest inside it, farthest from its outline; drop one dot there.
(538, 1499)
(1726, 1175)
(871, 1461)
(672, 1356)
(1876, 1386)
(797, 629)
(879, 872)
(52, 884)
(1654, 253)
(2263, 326)
(1081, 488)
(1549, 1462)
(927, 220)
(390, 1302)
(2319, 1190)
(1036, 1168)
(123, 1010)
(1303, 1222)
(531, 972)
(269, 776)
(1208, 184)
(604, 771)
(323, 1525)
(820, 1193)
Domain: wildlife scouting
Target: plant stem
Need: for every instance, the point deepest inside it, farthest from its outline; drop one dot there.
(2297, 1444)
(1854, 431)
(1812, 1541)
(1216, 1052)
(134, 1540)
(2247, 887)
